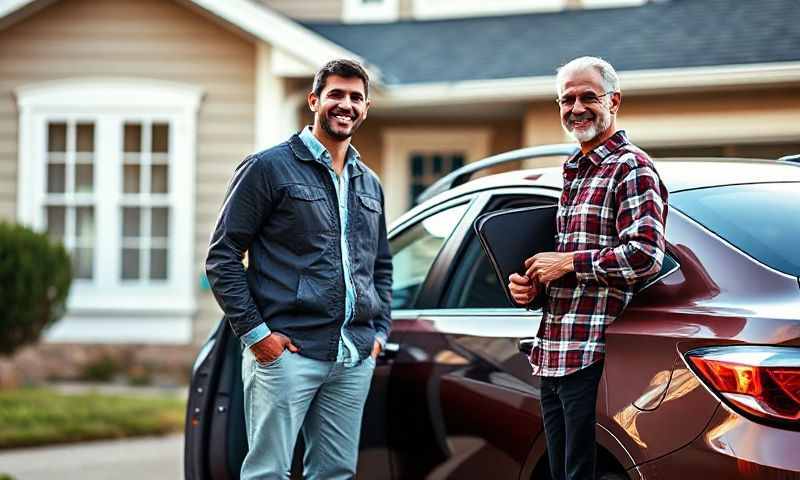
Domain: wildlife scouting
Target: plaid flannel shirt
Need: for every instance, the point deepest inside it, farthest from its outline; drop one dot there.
(612, 211)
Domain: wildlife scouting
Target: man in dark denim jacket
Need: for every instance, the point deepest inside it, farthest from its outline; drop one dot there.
(312, 308)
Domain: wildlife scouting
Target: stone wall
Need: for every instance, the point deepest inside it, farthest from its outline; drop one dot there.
(131, 364)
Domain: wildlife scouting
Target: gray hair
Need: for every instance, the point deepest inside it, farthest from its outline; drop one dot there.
(607, 72)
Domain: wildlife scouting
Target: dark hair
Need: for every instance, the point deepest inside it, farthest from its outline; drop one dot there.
(343, 68)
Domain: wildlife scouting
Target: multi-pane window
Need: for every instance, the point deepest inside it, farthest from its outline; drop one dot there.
(98, 164)
(69, 193)
(426, 168)
(145, 209)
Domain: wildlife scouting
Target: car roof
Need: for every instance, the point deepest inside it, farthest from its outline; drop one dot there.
(678, 174)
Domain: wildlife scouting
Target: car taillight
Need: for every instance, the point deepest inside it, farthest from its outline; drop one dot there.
(759, 380)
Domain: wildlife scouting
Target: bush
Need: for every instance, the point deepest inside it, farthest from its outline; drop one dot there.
(35, 275)
(103, 369)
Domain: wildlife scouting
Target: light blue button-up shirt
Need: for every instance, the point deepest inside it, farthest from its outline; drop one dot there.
(347, 353)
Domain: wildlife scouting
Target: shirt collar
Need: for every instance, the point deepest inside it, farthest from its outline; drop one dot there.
(320, 153)
(604, 150)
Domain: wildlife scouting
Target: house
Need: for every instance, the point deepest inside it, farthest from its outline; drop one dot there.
(121, 121)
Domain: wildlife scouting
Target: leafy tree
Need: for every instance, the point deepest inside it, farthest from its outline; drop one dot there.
(35, 275)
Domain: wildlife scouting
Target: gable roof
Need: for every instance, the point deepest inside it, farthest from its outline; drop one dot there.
(672, 34)
(253, 18)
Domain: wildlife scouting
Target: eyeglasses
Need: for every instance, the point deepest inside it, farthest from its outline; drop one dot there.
(588, 98)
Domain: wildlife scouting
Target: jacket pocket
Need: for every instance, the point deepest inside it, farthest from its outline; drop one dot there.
(309, 209)
(309, 297)
(369, 215)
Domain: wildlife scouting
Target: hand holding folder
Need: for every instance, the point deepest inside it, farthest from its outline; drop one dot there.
(511, 236)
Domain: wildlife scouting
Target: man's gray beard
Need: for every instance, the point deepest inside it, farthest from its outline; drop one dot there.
(599, 126)
(585, 135)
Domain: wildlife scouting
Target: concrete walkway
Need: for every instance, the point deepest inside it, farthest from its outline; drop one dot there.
(151, 458)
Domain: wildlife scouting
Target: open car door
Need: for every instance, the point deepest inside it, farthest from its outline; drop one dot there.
(215, 440)
(215, 435)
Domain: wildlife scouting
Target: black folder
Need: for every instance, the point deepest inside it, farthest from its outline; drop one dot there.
(510, 236)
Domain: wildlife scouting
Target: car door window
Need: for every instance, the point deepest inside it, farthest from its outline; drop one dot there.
(474, 283)
(415, 249)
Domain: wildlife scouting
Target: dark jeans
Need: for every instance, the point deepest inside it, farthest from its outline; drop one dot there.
(568, 410)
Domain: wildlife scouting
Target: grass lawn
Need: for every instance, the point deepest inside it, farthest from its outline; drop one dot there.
(31, 417)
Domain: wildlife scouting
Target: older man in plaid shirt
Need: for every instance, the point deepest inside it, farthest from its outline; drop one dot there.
(610, 228)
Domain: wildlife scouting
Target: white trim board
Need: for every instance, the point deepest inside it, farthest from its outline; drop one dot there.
(104, 92)
(7, 7)
(446, 9)
(121, 329)
(634, 82)
(359, 11)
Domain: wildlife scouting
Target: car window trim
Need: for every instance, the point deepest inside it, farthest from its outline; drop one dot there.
(432, 287)
(433, 210)
(486, 197)
(467, 200)
(473, 312)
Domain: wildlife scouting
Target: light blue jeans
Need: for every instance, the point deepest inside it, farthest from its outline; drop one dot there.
(324, 400)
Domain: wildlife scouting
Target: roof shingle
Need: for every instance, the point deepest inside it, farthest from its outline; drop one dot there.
(658, 35)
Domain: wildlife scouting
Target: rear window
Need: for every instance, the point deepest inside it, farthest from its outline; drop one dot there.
(763, 220)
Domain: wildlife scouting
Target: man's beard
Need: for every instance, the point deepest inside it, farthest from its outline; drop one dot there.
(326, 126)
(600, 124)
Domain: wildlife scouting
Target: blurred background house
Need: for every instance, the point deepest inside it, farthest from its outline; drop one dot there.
(121, 121)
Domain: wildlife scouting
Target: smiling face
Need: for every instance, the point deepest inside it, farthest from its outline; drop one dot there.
(340, 108)
(588, 111)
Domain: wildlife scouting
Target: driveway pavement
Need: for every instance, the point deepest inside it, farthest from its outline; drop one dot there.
(149, 458)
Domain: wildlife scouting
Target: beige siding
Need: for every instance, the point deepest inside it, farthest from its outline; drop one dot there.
(712, 123)
(752, 116)
(317, 10)
(504, 135)
(155, 39)
(406, 9)
(726, 117)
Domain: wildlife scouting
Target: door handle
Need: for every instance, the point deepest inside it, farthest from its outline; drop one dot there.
(526, 345)
(389, 351)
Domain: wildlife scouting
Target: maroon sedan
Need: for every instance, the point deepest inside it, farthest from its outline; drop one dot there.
(702, 374)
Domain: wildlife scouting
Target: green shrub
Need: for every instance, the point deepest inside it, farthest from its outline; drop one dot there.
(103, 369)
(141, 375)
(35, 275)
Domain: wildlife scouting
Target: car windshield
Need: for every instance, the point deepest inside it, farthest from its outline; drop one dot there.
(763, 220)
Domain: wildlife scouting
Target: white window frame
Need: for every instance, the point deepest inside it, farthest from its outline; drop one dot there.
(356, 11)
(437, 9)
(107, 308)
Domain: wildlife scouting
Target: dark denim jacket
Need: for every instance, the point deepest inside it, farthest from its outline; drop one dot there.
(281, 208)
